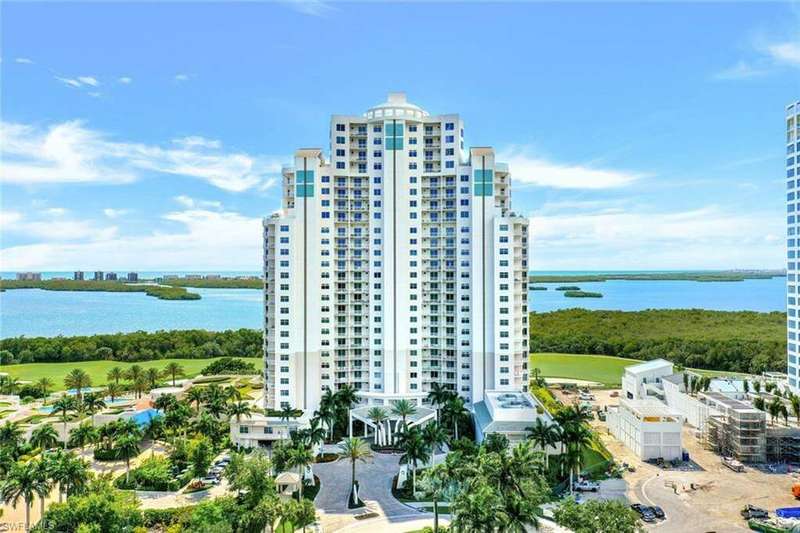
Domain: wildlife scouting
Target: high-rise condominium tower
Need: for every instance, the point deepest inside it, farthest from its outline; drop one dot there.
(394, 264)
(793, 240)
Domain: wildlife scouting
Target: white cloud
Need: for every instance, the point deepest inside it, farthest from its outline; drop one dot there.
(23, 61)
(52, 225)
(638, 238)
(125, 80)
(88, 80)
(211, 239)
(531, 170)
(191, 203)
(70, 152)
(314, 8)
(110, 212)
(181, 77)
(740, 71)
(195, 141)
(94, 94)
(786, 52)
(69, 81)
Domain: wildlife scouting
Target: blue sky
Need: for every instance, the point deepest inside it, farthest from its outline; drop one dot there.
(150, 136)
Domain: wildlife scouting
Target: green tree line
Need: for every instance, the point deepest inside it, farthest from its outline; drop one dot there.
(741, 341)
(161, 292)
(137, 346)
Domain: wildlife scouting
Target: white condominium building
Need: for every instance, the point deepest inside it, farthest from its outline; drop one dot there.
(395, 263)
(793, 241)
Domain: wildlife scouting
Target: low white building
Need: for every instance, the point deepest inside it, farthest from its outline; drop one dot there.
(510, 414)
(258, 430)
(648, 427)
(644, 379)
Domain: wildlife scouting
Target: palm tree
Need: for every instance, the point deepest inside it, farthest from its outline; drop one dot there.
(140, 386)
(795, 401)
(195, 395)
(301, 457)
(434, 436)
(378, 417)
(174, 370)
(165, 403)
(577, 436)
(314, 434)
(156, 431)
(287, 413)
(152, 376)
(455, 411)
(757, 386)
(215, 400)
(543, 435)
(758, 402)
(415, 451)
(438, 396)
(127, 446)
(785, 414)
(404, 409)
(84, 434)
(133, 373)
(22, 482)
(355, 449)
(63, 406)
(44, 437)
(232, 394)
(44, 485)
(774, 409)
(115, 374)
(78, 380)
(71, 473)
(93, 403)
(44, 385)
(746, 386)
(327, 410)
(436, 483)
(10, 436)
(114, 391)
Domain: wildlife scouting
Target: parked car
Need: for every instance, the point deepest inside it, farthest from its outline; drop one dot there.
(648, 515)
(658, 511)
(637, 507)
(210, 480)
(587, 486)
(751, 511)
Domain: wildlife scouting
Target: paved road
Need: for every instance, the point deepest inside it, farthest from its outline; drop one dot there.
(375, 480)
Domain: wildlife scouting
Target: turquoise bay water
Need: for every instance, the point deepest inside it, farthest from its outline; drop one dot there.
(33, 312)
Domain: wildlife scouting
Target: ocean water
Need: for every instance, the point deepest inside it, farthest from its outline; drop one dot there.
(33, 312)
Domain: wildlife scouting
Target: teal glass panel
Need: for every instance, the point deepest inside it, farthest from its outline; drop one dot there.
(305, 176)
(484, 176)
(394, 143)
(483, 189)
(306, 191)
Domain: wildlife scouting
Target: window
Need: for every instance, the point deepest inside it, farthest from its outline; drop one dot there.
(340, 127)
(340, 140)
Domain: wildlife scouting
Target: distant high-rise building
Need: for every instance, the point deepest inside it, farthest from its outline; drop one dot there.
(133, 276)
(29, 276)
(793, 241)
(98, 275)
(77, 275)
(111, 276)
(395, 265)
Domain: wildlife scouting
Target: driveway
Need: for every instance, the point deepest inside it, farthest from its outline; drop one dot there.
(375, 481)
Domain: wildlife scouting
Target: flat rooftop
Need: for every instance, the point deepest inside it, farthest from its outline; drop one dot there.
(649, 408)
(508, 411)
(648, 366)
(730, 403)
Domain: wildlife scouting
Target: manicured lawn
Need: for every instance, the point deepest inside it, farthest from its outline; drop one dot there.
(601, 368)
(97, 370)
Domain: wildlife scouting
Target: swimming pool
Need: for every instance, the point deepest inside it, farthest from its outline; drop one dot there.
(143, 417)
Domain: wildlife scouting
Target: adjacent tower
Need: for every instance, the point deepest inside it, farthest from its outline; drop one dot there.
(394, 264)
(793, 241)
